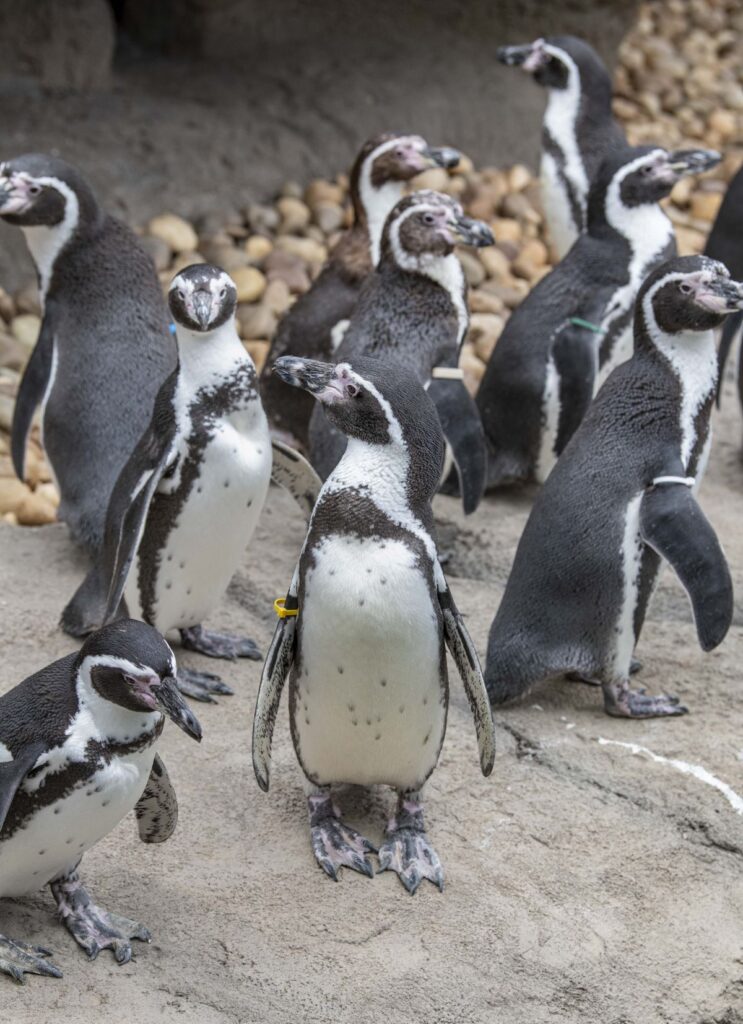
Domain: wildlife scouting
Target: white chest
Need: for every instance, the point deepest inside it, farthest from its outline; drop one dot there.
(370, 703)
(207, 539)
(55, 838)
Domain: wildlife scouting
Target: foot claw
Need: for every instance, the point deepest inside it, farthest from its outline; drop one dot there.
(409, 854)
(336, 845)
(219, 645)
(17, 959)
(201, 685)
(626, 703)
(92, 927)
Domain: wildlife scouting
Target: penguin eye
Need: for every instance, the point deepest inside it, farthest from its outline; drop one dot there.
(399, 152)
(181, 295)
(34, 189)
(428, 218)
(352, 390)
(223, 293)
(684, 288)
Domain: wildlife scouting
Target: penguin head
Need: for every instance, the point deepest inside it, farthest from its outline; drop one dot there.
(642, 175)
(391, 157)
(129, 664)
(378, 404)
(555, 62)
(43, 191)
(427, 225)
(687, 294)
(202, 297)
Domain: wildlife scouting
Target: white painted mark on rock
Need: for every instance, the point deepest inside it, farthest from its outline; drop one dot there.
(735, 801)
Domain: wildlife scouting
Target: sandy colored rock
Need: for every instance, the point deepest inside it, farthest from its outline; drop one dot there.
(704, 205)
(256, 321)
(484, 331)
(295, 214)
(175, 231)
(257, 247)
(328, 216)
(7, 306)
(258, 350)
(436, 178)
(322, 191)
(249, 282)
(690, 241)
(495, 261)
(25, 329)
(506, 229)
(12, 493)
(306, 249)
(158, 250)
(27, 299)
(262, 218)
(288, 268)
(484, 302)
(474, 272)
(277, 296)
(225, 255)
(35, 510)
(13, 354)
(519, 177)
(183, 260)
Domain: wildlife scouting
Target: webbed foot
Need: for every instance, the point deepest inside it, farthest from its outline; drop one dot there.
(92, 927)
(219, 645)
(201, 685)
(621, 702)
(334, 844)
(407, 850)
(19, 959)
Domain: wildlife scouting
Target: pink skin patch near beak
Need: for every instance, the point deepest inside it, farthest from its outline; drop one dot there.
(338, 389)
(15, 195)
(536, 58)
(141, 688)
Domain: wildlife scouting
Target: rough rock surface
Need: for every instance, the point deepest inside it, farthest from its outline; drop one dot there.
(584, 883)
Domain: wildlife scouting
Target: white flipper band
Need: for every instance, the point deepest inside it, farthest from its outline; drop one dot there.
(687, 481)
(447, 373)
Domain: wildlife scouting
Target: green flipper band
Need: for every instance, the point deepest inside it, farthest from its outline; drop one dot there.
(579, 322)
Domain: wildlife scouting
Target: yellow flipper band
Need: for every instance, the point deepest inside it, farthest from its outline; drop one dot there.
(281, 611)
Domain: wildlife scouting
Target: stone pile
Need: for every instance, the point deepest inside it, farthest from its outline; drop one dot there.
(679, 82)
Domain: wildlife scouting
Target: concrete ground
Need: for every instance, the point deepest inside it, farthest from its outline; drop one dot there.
(585, 882)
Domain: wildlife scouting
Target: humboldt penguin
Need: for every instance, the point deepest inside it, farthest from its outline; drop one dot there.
(377, 181)
(413, 311)
(366, 622)
(578, 128)
(575, 326)
(78, 752)
(620, 500)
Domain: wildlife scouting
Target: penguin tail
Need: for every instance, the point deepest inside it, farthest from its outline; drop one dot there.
(86, 609)
(505, 675)
(506, 468)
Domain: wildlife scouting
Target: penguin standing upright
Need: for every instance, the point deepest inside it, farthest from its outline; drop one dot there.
(575, 325)
(376, 182)
(413, 310)
(366, 619)
(621, 499)
(78, 751)
(578, 128)
(189, 498)
(725, 243)
(103, 351)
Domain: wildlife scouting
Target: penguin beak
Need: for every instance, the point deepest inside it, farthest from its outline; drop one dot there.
(467, 231)
(691, 161)
(169, 698)
(202, 306)
(14, 195)
(327, 383)
(721, 295)
(442, 156)
(531, 56)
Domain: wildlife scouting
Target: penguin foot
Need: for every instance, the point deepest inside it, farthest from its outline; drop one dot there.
(201, 685)
(92, 927)
(635, 666)
(407, 850)
(334, 844)
(621, 702)
(19, 959)
(219, 645)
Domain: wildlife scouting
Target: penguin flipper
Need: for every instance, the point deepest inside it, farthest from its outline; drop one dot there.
(462, 427)
(132, 494)
(729, 330)
(463, 651)
(12, 774)
(275, 669)
(293, 472)
(32, 390)
(157, 808)
(673, 524)
(575, 356)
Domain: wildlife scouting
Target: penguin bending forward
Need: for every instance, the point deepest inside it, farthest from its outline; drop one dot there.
(575, 325)
(103, 351)
(311, 327)
(188, 501)
(578, 128)
(620, 499)
(78, 751)
(364, 625)
(413, 311)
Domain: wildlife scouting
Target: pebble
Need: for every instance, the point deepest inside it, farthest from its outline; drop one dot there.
(495, 261)
(321, 191)
(176, 232)
(224, 255)
(306, 249)
(255, 321)
(257, 247)
(481, 301)
(485, 329)
(506, 229)
(34, 509)
(258, 351)
(249, 282)
(474, 271)
(158, 251)
(12, 493)
(286, 267)
(328, 216)
(295, 214)
(7, 306)
(704, 205)
(25, 329)
(277, 296)
(27, 300)
(263, 219)
(436, 178)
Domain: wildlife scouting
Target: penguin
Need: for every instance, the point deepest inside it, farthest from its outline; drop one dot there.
(619, 502)
(413, 310)
(103, 351)
(578, 129)
(378, 178)
(188, 500)
(78, 752)
(575, 325)
(725, 244)
(364, 625)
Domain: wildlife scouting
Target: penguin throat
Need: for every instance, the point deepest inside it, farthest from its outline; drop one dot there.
(561, 124)
(46, 243)
(211, 354)
(378, 204)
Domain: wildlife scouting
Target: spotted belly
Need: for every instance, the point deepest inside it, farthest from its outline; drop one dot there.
(57, 835)
(199, 550)
(368, 698)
